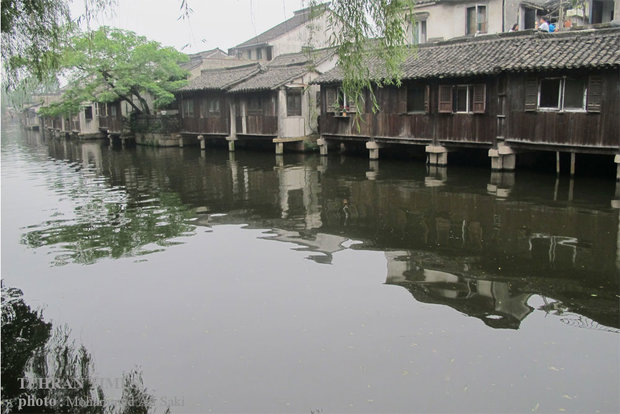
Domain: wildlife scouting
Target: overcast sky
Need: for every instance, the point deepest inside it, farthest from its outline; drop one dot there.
(214, 23)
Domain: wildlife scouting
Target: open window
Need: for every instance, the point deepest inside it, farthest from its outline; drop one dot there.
(418, 98)
(476, 20)
(559, 94)
(293, 102)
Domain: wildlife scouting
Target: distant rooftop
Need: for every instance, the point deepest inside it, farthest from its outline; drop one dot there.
(300, 17)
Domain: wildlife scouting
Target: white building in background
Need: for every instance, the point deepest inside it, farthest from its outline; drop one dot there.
(308, 28)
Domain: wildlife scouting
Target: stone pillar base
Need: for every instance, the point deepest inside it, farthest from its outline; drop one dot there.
(279, 148)
(231, 143)
(437, 155)
(201, 138)
(503, 158)
(373, 149)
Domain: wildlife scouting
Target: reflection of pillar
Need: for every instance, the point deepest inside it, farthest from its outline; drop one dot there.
(398, 263)
(322, 167)
(618, 245)
(234, 172)
(311, 191)
(374, 169)
(91, 153)
(501, 183)
(436, 176)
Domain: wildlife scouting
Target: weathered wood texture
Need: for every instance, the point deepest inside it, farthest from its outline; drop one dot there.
(566, 128)
(258, 125)
(393, 121)
(205, 118)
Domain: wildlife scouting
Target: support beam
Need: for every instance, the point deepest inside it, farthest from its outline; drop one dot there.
(201, 139)
(572, 164)
(373, 148)
(437, 155)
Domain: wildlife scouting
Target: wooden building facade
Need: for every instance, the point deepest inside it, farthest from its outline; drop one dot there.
(273, 102)
(502, 93)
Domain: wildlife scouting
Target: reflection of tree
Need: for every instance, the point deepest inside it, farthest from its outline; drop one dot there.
(38, 366)
(103, 228)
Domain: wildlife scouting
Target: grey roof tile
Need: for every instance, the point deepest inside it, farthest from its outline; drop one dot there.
(221, 79)
(522, 51)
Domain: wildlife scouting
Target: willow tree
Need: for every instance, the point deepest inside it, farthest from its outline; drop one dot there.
(370, 38)
(111, 64)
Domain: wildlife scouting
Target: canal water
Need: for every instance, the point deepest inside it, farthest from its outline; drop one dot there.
(249, 282)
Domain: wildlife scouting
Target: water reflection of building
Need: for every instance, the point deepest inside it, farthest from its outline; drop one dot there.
(492, 301)
(514, 245)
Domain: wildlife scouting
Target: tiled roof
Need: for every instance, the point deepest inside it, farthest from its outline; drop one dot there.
(270, 78)
(283, 69)
(519, 51)
(221, 79)
(300, 17)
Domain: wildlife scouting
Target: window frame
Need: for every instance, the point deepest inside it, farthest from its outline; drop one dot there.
(298, 94)
(476, 8)
(89, 113)
(185, 108)
(425, 89)
(562, 95)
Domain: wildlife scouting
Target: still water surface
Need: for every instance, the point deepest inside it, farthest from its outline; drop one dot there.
(253, 283)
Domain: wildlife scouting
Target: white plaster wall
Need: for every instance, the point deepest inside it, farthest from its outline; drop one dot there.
(315, 33)
(90, 126)
(449, 20)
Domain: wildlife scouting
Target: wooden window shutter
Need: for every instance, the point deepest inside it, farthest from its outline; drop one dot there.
(480, 98)
(427, 99)
(595, 93)
(531, 94)
(445, 99)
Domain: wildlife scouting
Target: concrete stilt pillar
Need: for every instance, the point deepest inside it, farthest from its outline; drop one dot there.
(503, 158)
(343, 148)
(373, 149)
(572, 164)
(617, 161)
(557, 162)
(279, 148)
(201, 139)
(180, 138)
(437, 155)
(322, 143)
(231, 144)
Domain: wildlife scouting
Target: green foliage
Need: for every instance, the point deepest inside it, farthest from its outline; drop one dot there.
(34, 33)
(112, 64)
(369, 31)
